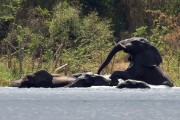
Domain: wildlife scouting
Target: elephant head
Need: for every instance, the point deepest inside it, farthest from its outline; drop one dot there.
(133, 84)
(40, 78)
(88, 80)
(140, 50)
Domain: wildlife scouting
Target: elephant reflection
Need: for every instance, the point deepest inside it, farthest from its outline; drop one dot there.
(144, 62)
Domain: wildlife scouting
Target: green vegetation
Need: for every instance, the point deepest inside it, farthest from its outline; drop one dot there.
(38, 34)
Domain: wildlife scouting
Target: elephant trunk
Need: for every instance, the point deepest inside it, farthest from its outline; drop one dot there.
(116, 49)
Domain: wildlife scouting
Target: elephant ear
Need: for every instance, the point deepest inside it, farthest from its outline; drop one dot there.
(148, 57)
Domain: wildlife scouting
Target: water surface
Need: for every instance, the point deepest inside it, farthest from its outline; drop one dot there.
(100, 103)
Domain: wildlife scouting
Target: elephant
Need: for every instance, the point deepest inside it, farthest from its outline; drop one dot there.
(144, 60)
(88, 80)
(43, 79)
(133, 84)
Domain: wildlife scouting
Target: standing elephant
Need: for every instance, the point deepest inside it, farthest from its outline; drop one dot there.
(144, 62)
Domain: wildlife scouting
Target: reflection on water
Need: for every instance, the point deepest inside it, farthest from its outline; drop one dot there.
(100, 103)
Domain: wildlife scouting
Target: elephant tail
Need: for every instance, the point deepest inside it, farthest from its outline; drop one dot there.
(118, 47)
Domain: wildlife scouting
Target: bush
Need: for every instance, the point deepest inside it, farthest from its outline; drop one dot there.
(83, 38)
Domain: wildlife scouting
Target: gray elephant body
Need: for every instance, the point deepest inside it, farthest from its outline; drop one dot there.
(144, 62)
(39, 78)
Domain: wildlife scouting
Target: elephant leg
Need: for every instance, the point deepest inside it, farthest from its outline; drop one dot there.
(76, 83)
(119, 75)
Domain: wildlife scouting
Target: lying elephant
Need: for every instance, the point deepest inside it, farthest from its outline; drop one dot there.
(56, 82)
(88, 80)
(42, 78)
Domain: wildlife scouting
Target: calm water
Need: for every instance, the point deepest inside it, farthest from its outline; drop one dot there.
(95, 103)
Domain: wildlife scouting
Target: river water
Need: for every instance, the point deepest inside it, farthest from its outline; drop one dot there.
(95, 103)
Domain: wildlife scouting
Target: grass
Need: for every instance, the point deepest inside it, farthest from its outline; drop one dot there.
(119, 62)
(6, 76)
